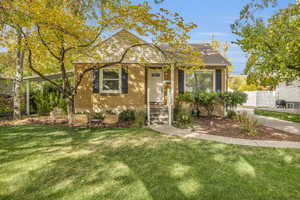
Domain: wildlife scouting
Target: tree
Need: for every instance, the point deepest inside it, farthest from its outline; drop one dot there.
(239, 83)
(272, 45)
(61, 32)
(7, 60)
(11, 28)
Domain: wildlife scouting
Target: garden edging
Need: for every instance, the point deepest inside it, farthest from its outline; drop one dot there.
(186, 133)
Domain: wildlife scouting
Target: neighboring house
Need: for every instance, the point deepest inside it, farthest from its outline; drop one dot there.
(6, 86)
(290, 92)
(144, 84)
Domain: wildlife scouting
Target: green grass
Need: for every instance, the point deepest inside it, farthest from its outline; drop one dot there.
(41, 162)
(279, 115)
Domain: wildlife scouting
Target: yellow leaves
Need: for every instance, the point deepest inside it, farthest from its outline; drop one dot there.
(61, 28)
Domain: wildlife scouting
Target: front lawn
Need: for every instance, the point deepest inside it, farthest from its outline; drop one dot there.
(279, 115)
(42, 162)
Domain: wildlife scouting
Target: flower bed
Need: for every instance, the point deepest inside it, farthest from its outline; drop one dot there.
(231, 128)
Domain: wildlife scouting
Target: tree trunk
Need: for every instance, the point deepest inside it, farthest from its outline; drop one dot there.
(70, 110)
(18, 80)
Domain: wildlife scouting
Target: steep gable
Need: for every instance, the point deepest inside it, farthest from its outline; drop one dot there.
(113, 48)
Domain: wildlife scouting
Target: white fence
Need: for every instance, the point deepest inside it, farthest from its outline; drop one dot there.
(261, 99)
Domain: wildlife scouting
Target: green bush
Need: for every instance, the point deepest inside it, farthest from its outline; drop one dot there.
(208, 100)
(233, 99)
(140, 119)
(6, 108)
(183, 119)
(187, 97)
(231, 114)
(248, 124)
(127, 115)
(46, 102)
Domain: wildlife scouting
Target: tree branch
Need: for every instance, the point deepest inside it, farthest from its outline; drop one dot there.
(45, 43)
(39, 73)
(89, 43)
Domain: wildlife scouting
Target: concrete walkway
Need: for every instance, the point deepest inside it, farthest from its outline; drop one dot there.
(170, 130)
(290, 127)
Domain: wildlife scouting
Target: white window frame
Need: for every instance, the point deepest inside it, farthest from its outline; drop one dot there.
(102, 81)
(208, 70)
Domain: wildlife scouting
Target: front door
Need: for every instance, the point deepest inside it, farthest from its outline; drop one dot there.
(155, 84)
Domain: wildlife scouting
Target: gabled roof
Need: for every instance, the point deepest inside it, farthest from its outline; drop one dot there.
(210, 56)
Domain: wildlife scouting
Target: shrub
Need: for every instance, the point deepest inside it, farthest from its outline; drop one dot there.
(231, 114)
(127, 115)
(186, 97)
(140, 119)
(46, 102)
(99, 116)
(248, 124)
(233, 99)
(183, 119)
(6, 108)
(208, 100)
(191, 98)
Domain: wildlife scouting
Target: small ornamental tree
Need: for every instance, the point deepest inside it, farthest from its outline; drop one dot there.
(209, 101)
(233, 99)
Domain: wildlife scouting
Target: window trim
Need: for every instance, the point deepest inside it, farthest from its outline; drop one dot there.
(208, 70)
(101, 80)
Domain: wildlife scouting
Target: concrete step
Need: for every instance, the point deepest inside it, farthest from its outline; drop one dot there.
(158, 107)
(161, 108)
(159, 121)
(159, 114)
(159, 118)
(155, 110)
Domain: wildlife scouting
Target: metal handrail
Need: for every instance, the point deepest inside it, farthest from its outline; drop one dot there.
(148, 106)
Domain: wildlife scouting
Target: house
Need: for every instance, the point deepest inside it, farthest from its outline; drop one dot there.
(143, 82)
(290, 92)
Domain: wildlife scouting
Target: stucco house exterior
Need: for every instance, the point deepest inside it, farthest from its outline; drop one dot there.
(143, 84)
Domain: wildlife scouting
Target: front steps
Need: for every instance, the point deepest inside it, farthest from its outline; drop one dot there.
(159, 114)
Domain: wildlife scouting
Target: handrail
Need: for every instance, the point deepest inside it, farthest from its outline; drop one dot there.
(148, 107)
(169, 103)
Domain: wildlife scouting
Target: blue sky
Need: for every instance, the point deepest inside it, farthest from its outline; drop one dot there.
(215, 17)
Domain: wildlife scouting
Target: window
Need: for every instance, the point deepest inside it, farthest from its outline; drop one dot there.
(110, 80)
(155, 74)
(199, 81)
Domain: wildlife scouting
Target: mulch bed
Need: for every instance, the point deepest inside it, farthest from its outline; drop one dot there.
(45, 120)
(231, 128)
(41, 120)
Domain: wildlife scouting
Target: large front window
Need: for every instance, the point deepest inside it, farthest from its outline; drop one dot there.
(110, 80)
(199, 81)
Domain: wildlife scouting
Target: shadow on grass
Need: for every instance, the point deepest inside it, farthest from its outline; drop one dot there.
(59, 162)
